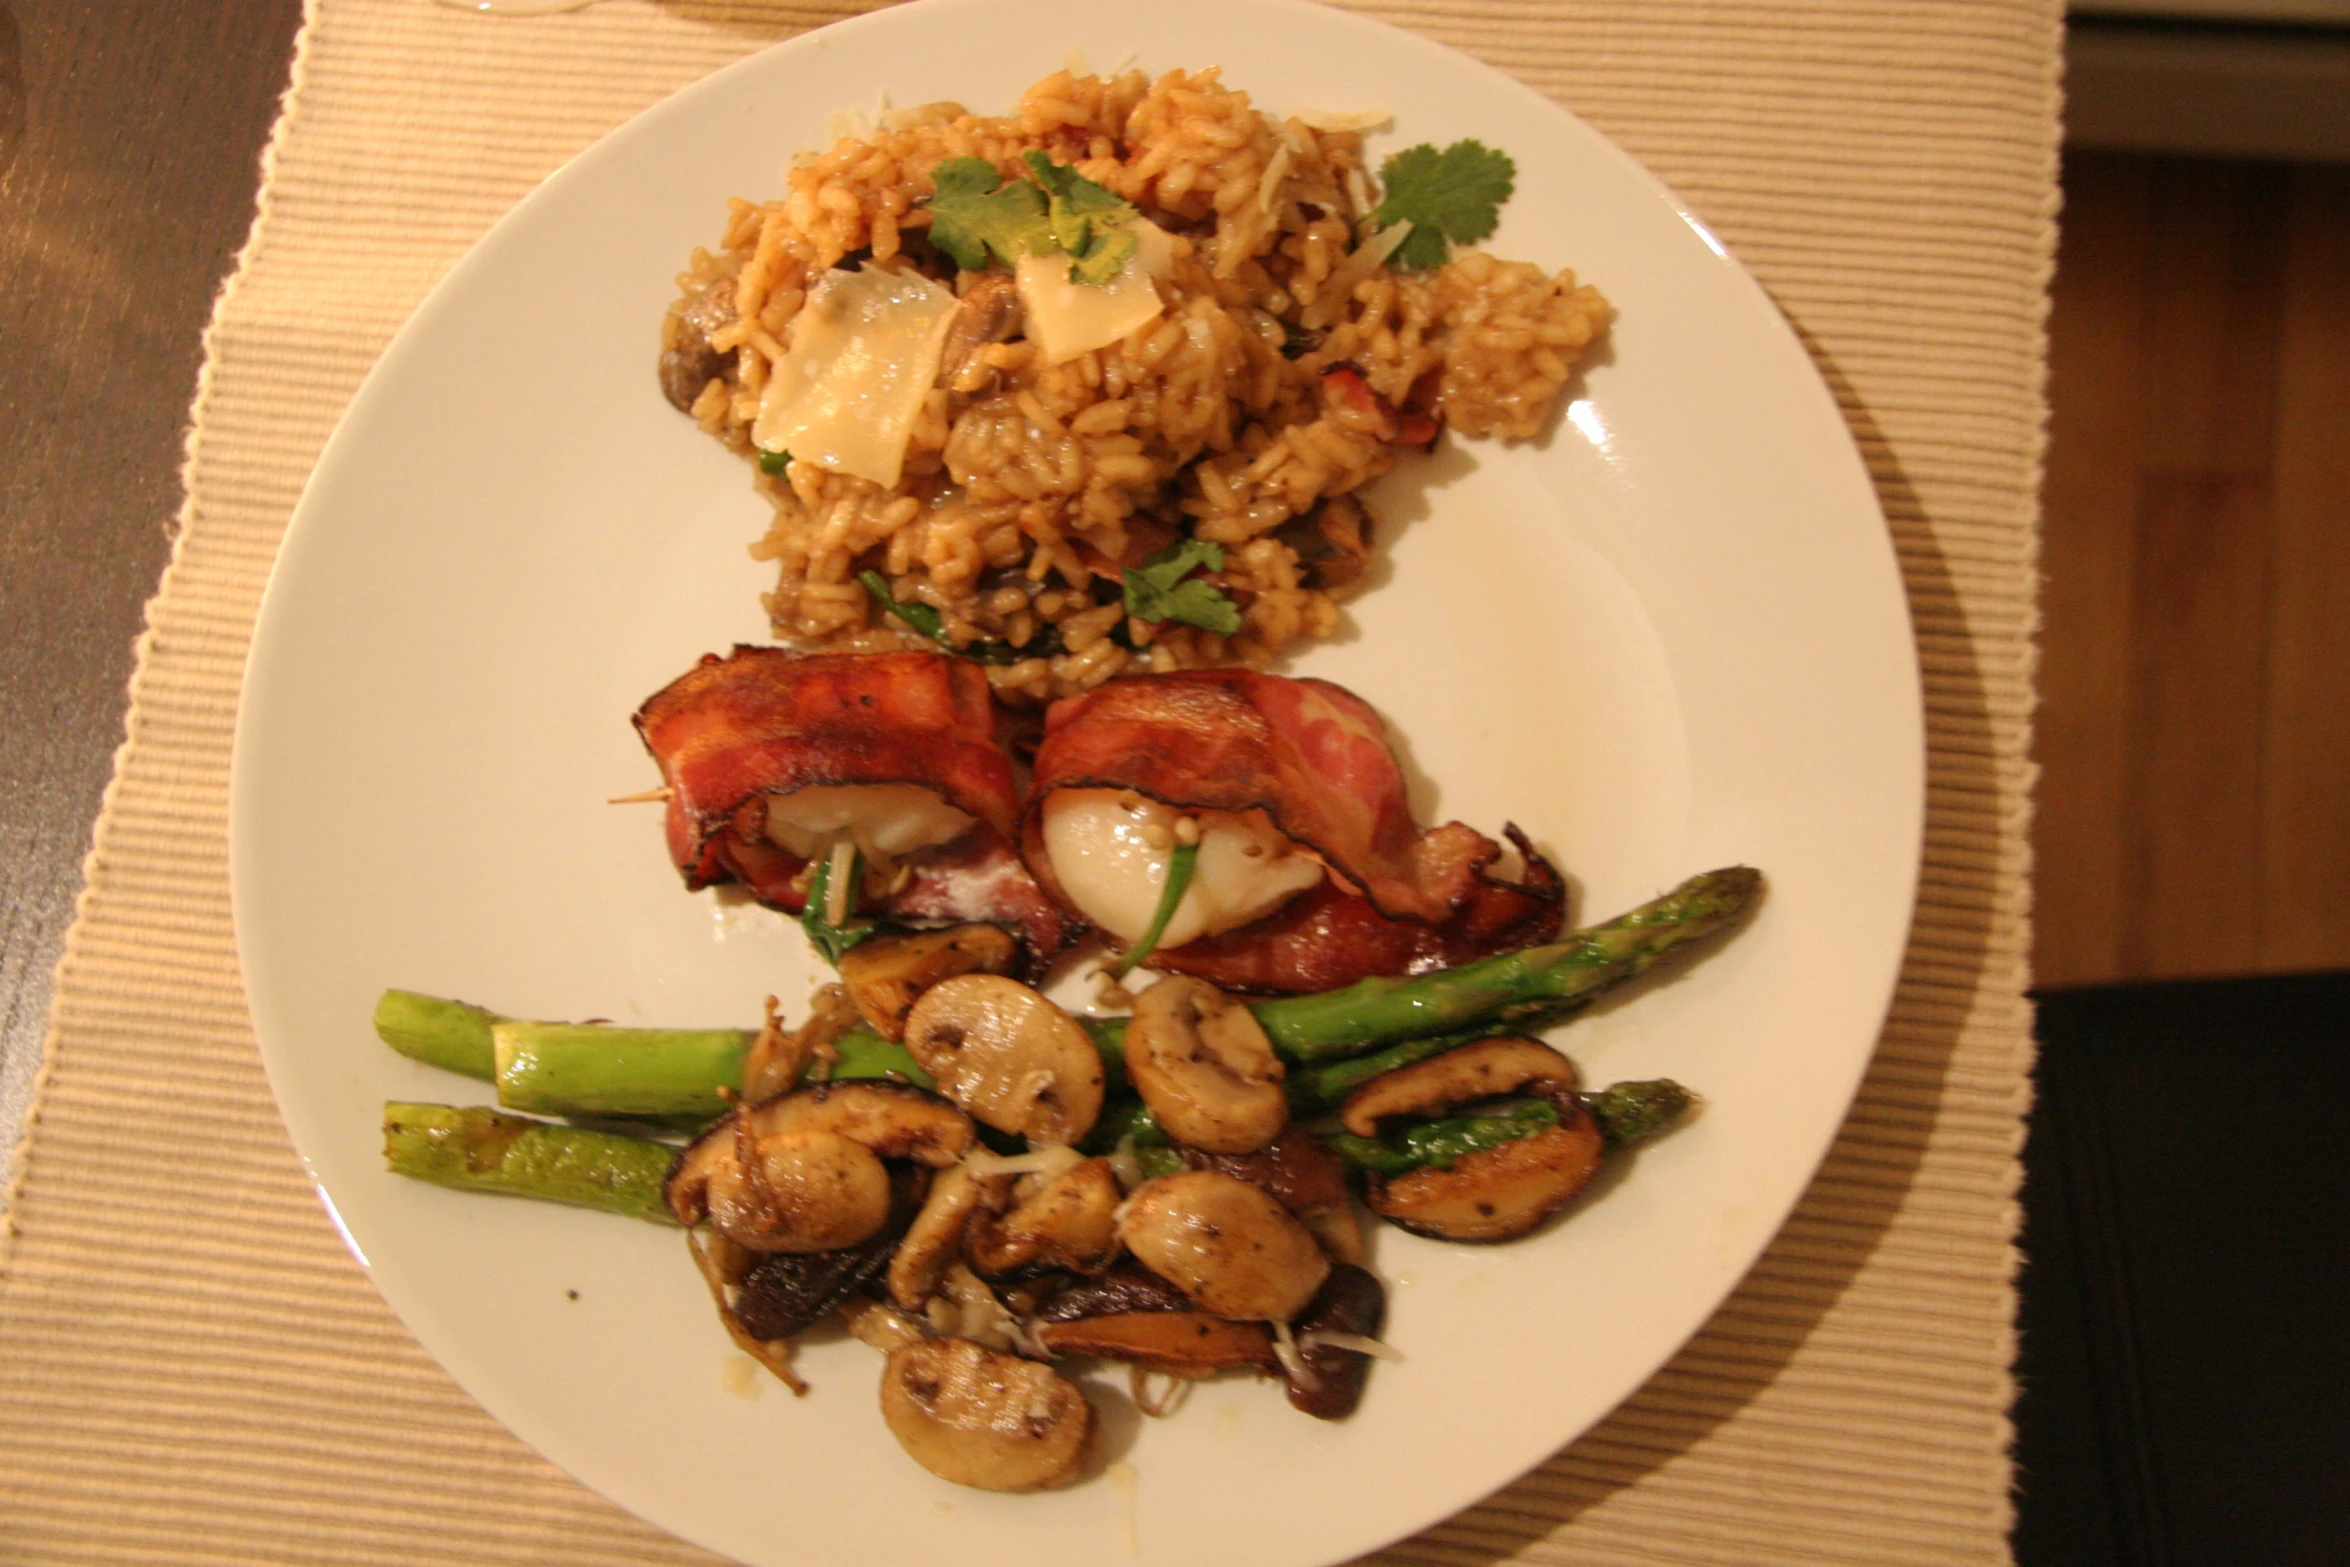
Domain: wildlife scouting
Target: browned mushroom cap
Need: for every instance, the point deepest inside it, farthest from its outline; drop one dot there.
(1499, 1193)
(1068, 1223)
(935, 1239)
(989, 313)
(895, 1120)
(1009, 1056)
(1201, 1061)
(1123, 1288)
(803, 1172)
(1226, 1244)
(980, 1418)
(688, 362)
(1186, 1344)
(885, 975)
(785, 1292)
(1352, 1303)
(1484, 1070)
(1306, 1177)
(799, 1191)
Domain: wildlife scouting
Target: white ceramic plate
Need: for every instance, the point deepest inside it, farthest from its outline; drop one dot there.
(1668, 636)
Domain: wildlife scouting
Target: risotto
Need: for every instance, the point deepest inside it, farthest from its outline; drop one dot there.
(1199, 427)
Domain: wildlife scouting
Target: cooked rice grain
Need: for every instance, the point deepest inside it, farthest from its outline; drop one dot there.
(1027, 488)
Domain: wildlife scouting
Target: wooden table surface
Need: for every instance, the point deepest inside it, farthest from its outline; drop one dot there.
(130, 145)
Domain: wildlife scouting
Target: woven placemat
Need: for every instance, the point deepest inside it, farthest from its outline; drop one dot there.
(196, 1370)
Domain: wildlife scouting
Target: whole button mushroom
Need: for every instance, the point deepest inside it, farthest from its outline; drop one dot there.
(1201, 1061)
(1227, 1245)
(1008, 1056)
(981, 1418)
(800, 1191)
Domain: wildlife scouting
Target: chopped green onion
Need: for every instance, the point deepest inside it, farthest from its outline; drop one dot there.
(773, 462)
(1179, 868)
(829, 936)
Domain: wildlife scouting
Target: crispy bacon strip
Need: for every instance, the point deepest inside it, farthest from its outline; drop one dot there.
(1325, 937)
(1313, 756)
(733, 732)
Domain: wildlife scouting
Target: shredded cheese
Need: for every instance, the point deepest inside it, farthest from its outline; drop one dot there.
(1375, 1348)
(1293, 1360)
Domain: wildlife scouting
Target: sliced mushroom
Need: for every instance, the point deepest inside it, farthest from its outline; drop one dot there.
(990, 313)
(1353, 1303)
(976, 1417)
(935, 1239)
(799, 1191)
(1122, 1289)
(780, 1057)
(1499, 1193)
(1008, 1056)
(1307, 1178)
(1226, 1244)
(895, 1120)
(785, 1292)
(1201, 1061)
(1186, 1344)
(688, 362)
(1484, 1070)
(1069, 1223)
(886, 974)
(803, 1172)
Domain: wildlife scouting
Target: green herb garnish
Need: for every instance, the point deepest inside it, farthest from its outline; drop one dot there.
(1180, 865)
(925, 621)
(921, 617)
(1094, 225)
(773, 462)
(1156, 589)
(1454, 195)
(827, 938)
(977, 214)
(1442, 1143)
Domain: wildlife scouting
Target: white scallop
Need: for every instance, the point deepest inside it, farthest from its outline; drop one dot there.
(885, 820)
(1110, 850)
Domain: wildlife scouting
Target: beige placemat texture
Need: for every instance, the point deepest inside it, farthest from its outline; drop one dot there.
(195, 1371)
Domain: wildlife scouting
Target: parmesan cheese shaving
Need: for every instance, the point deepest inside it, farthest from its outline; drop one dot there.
(1338, 290)
(864, 354)
(1066, 319)
(1334, 120)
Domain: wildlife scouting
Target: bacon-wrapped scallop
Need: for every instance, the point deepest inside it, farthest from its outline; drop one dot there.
(1308, 871)
(772, 758)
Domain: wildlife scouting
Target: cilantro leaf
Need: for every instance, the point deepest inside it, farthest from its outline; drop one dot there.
(1454, 195)
(1156, 589)
(976, 213)
(926, 621)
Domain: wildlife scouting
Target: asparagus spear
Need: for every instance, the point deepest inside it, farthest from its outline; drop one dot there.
(1326, 1084)
(1442, 1141)
(439, 1033)
(1634, 1112)
(481, 1150)
(1510, 986)
(600, 1069)
(567, 1068)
